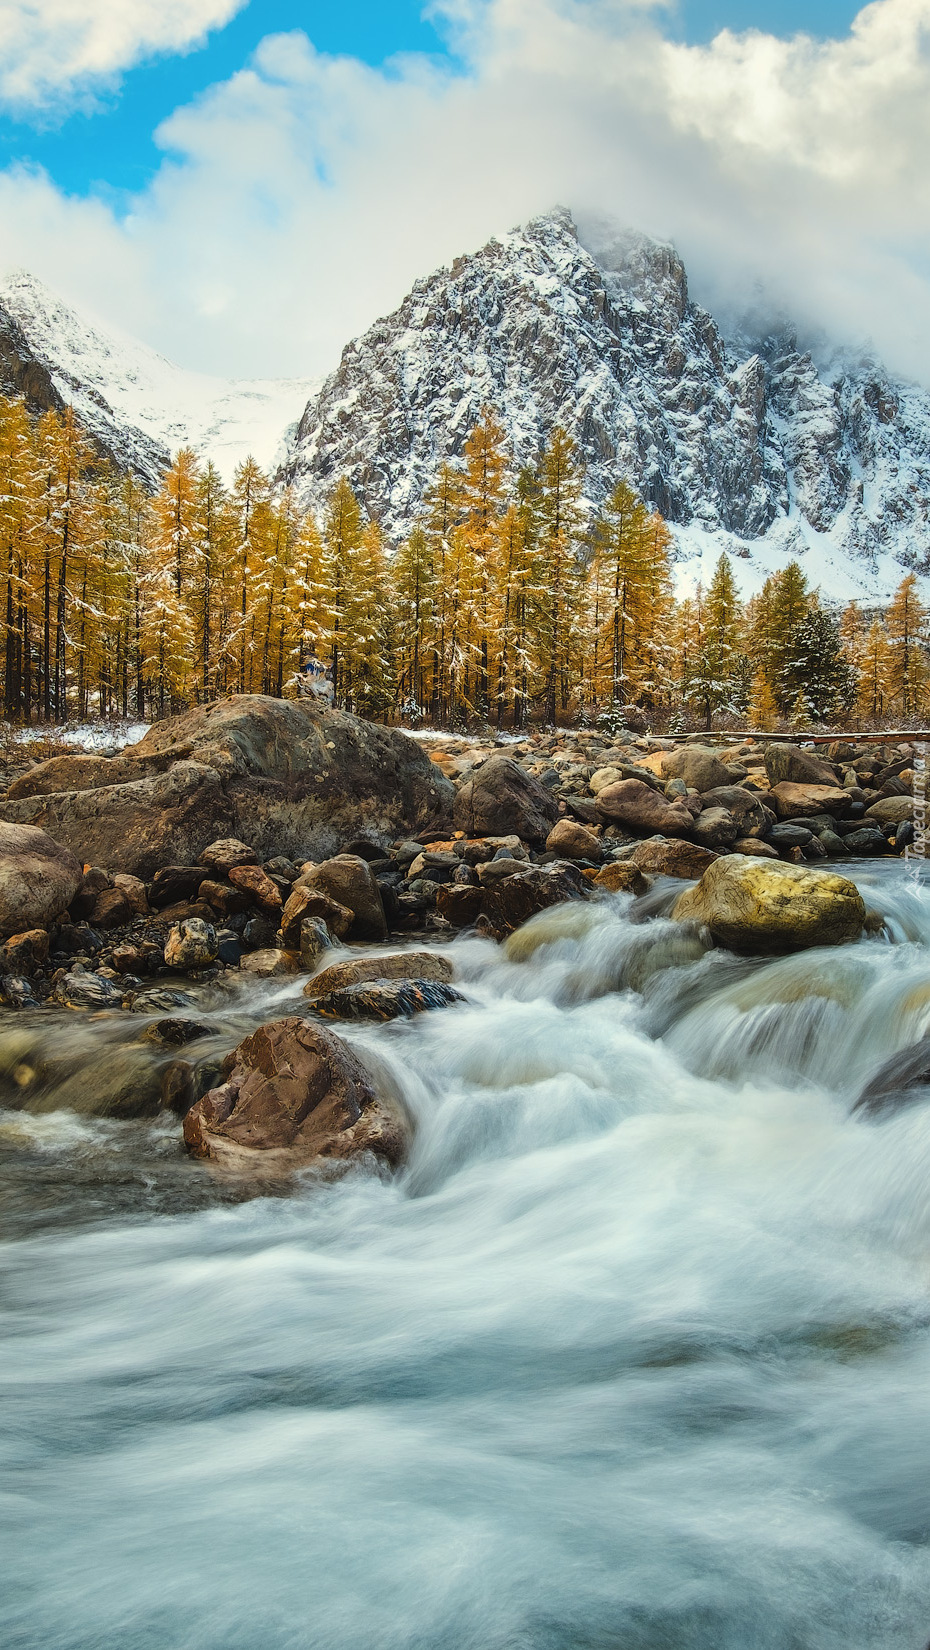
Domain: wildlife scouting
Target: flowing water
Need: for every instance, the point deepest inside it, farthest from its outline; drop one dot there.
(634, 1355)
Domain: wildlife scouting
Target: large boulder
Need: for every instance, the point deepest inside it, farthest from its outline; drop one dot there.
(508, 904)
(891, 810)
(501, 800)
(287, 776)
(788, 763)
(629, 802)
(751, 815)
(798, 801)
(700, 768)
(294, 1094)
(38, 879)
(760, 906)
(573, 841)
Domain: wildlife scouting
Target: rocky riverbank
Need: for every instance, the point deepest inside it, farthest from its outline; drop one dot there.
(117, 896)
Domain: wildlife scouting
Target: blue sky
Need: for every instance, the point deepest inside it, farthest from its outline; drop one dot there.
(109, 149)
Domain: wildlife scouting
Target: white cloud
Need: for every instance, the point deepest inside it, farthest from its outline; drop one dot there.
(51, 50)
(299, 199)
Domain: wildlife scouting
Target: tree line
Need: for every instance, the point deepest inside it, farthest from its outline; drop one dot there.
(508, 599)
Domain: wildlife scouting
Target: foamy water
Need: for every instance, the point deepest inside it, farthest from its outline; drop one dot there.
(634, 1355)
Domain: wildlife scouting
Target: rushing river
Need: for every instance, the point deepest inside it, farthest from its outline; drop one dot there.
(635, 1354)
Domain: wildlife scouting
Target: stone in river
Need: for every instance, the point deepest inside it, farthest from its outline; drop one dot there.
(621, 877)
(386, 1000)
(87, 991)
(795, 801)
(673, 859)
(398, 965)
(901, 1081)
(294, 1094)
(763, 907)
(191, 946)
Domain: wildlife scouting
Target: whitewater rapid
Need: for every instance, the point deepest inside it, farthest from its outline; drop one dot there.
(634, 1355)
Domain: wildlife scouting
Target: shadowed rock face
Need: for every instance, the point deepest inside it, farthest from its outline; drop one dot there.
(901, 1081)
(287, 777)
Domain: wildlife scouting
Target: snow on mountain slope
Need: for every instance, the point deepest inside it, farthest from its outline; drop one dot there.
(140, 406)
(749, 446)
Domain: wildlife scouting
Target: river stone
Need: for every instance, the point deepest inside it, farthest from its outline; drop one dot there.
(755, 846)
(270, 963)
(226, 853)
(506, 905)
(176, 1031)
(500, 799)
(762, 907)
(23, 953)
(573, 841)
(700, 768)
(87, 991)
(315, 938)
(786, 835)
(715, 828)
(398, 965)
(134, 889)
(38, 879)
(750, 813)
(121, 1083)
(159, 999)
(348, 879)
(257, 884)
(901, 1081)
(673, 859)
(307, 902)
(629, 802)
(792, 801)
(191, 946)
(459, 906)
(622, 877)
(789, 763)
(386, 1000)
(292, 776)
(17, 991)
(294, 1094)
(111, 909)
(891, 810)
(866, 842)
(223, 898)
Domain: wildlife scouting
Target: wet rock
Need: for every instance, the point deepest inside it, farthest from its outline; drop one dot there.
(228, 947)
(699, 767)
(834, 846)
(178, 1090)
(191, 946)
(635, 805)
(160, 1000)
(24, 953)
(386, 1000)
(501, 799)
(788, 763)
(459, 906)
(38, 879)
(308, 903)
(495, 870)
(573, 841)
(257, 884)
(222, 856)
(176, 1031)
(753, 818)
(398, 965)
(294, 1094)
(509, 903)
(81, 990)
(866, 842)
(17, 991)
(260, 934)
(789, 836)
(349, 881)
(269, 964)
(622, 877)
(123, 1083)
(315, 938)
(673, 859)
(792, 801)
(760, 907)
(901, 1081)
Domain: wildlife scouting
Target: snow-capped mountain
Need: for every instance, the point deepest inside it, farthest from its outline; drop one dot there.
(137, 405)
(748, 445)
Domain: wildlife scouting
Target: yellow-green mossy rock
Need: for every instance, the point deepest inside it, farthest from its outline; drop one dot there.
(760, 907)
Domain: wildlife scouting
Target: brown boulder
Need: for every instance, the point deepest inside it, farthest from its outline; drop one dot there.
(673, 859)
(621, 877)
(507, 904)
(789, 764)
(337, 917)
(502, 800)
(270, 963)
(111, 909)
(699, 767)
(797, 801)
(399, 965)
(222, 897)
(23, 953)
(629, 802)
(459, 906)
(573, 841)
(134, 889)
(294, 1094)
(255, 882)
(38, 879)
(349, 880)
(221, 856)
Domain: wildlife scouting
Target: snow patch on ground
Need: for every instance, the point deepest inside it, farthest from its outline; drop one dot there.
(86, 736)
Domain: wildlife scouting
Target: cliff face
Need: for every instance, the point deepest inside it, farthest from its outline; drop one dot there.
(746, 440)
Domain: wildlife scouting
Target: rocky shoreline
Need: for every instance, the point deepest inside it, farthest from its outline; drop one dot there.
(117, 896)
